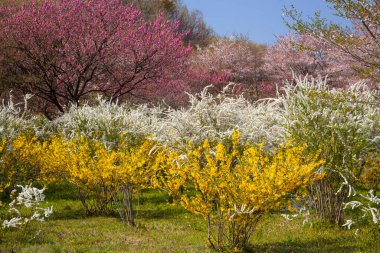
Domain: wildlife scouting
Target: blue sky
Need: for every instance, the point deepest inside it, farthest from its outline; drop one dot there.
(260, 20)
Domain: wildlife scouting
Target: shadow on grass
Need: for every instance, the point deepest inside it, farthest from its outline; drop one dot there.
(150, 204)
(69, 211)
(153, 204)
(312, 246)
(152, 196)
(61, 191)
(169, 212)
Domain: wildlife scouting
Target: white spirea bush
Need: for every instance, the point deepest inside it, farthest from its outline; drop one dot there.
(108, 121)
(369, 206)
(343, 124)
(208, 116)
(13, 118)
(28, 198)
(215, 118)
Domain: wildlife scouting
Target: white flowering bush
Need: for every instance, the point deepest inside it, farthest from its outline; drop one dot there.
(369, 206)
(342, 125)
(215, 117)
(13, 118)
(108, 121)
(24, 207)
(16, 125)
(208, 116)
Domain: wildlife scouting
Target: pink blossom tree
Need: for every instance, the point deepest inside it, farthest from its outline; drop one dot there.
(237, 60)
(302, 55)
(65, 51)
(358, 42)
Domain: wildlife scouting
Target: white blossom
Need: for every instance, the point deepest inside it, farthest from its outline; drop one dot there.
(29, 197)
(353, 204)
(14, 222)
(348, 224)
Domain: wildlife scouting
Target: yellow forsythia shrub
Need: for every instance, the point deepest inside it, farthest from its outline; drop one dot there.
(4, 183)
(96, 170)
(135, 163)
(20, 160)
(231, 186)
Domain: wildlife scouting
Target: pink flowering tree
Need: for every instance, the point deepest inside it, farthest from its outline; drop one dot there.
(65, 51)
(356, 39)
(237, 60)
(302, 55)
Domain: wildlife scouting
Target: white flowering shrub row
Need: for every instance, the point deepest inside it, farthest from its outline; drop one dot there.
(212, 117)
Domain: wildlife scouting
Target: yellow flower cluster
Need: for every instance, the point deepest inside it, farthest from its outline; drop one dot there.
(371, 174)
(235, 174)
(91, 166)
(96, 170)
(20, 159)
(228, 184)
(81, 161)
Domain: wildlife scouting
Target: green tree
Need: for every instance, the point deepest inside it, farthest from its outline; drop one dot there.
(190, 22)
(359, 42)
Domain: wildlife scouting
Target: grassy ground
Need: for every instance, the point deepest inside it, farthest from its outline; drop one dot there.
(167, 228)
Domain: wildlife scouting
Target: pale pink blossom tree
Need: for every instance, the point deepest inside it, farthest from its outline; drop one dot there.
(357, 39)
(235, 60)
(65, 51)
(304, 55)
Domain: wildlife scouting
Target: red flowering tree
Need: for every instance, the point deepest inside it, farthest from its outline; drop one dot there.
(64, 51)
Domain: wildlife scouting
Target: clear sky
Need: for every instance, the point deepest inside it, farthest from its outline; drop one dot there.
(260, 20)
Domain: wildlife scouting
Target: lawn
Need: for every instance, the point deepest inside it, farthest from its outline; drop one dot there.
(164, 227)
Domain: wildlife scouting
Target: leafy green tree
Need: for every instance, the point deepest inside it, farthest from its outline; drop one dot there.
(190, 22)
(359, 42)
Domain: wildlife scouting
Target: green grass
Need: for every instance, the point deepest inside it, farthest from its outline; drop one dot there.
(163, 227)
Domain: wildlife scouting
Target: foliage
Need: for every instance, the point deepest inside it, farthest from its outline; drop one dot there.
(371, 171)
(65, 51)
(343, 124)
(359, 43)
(231, 186)
(223, 157)
(367, 208)
(307, 112)
(233, 59)
(368, 205)
(191, 23)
